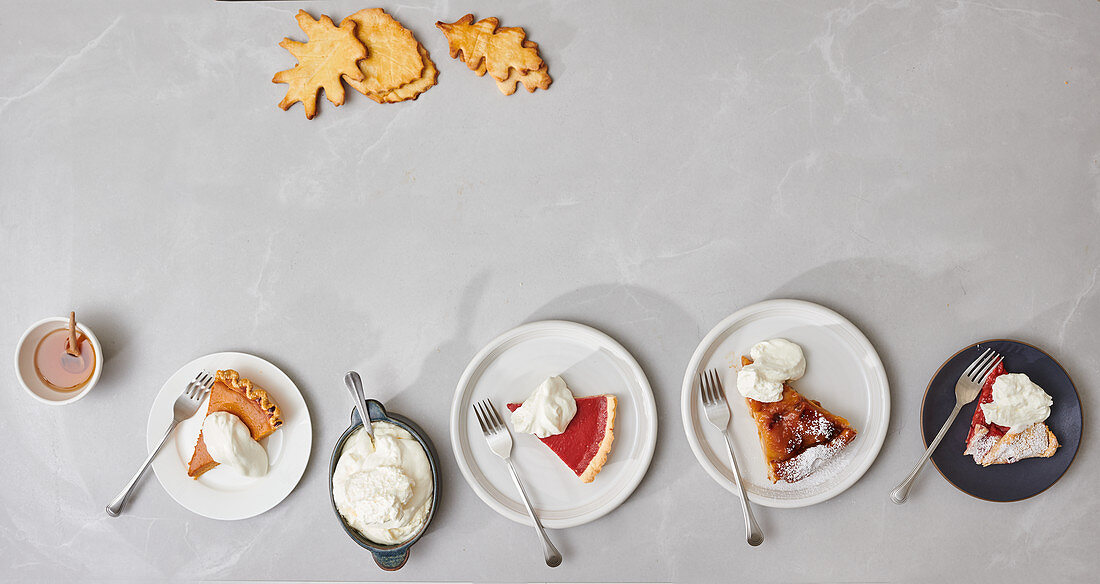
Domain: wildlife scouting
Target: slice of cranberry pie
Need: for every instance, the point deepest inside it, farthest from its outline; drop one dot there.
(990, 443)
(586, 442)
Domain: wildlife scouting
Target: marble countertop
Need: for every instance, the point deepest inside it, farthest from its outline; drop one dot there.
(931, 170)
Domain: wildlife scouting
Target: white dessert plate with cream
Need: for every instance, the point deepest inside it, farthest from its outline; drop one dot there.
(223, 493)
(507, 370)
(843, 372)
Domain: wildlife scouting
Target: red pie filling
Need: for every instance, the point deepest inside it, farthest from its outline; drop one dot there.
(580, 441)
(985, 397)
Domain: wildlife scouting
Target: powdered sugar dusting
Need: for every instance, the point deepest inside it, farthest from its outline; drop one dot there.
(818, 479)
(809, 460)
(980, 443)
(818, 426)
(1035, 440)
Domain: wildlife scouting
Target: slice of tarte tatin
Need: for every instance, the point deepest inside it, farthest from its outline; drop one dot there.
(797, 434)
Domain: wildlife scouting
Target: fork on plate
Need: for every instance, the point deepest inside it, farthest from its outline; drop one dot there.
(186, 405)
(500, 442)
(718, 414)
(966, 390)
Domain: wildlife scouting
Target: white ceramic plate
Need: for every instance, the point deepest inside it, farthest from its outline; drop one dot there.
(843, 372)
(223, 493)
(507, 370)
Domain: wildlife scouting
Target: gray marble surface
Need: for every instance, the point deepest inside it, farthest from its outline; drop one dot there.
(929, 169)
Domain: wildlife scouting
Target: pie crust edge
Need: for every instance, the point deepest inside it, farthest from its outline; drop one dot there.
(596, 464)
(234, 380)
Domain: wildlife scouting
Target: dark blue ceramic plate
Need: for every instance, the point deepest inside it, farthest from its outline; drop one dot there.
(1001, 482)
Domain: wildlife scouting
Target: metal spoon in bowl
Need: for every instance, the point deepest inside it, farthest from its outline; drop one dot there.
(355, 385)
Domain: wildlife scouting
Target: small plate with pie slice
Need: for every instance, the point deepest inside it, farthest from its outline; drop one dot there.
(838, 411)
(269, 405)
(616, 417)
(1017, 466)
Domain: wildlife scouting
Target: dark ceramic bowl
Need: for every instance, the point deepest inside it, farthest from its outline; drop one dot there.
(388, 557)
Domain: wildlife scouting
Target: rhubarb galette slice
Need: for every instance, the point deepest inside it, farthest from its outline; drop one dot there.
(586, 442)
(990, 443)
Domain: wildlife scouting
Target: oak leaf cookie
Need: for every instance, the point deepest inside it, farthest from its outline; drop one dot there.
(330, 54)
(531, 80)
(505, 53)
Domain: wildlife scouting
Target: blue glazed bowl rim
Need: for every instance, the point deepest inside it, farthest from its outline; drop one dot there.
(388, 557)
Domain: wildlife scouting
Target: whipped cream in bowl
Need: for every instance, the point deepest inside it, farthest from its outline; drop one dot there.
(384, 492)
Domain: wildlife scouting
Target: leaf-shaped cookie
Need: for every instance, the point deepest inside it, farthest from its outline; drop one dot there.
(393, 59)
(485, 48)
(531, 80)
(330, 53)
(414, 89)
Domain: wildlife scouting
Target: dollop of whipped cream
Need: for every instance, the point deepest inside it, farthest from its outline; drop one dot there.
(774, 363)
(1017, 403)
(230, 443)
(384, 489)
(548, 411)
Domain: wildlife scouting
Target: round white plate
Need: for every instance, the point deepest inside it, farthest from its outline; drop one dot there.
(223, 493)
(843, 372)
(508, 370)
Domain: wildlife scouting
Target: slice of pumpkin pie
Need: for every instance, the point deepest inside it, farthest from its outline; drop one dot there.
(240, 397)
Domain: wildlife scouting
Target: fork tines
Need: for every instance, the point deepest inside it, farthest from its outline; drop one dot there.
(983, 365)
(710, 385)
(487, 416)
(202, 383)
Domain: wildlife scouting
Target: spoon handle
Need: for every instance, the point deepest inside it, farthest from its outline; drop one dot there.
(355, 384)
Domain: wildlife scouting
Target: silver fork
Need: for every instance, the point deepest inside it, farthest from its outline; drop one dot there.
(966, 390)
(186, 405)
(500, 442)
(718, 414)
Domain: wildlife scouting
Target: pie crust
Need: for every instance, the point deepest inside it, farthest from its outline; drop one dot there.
(596, 464)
